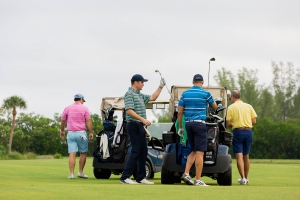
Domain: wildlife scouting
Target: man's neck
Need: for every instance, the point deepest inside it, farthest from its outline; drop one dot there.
(198, 84)
(235, 100)
(133, 87)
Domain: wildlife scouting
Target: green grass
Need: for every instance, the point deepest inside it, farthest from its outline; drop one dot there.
(47, 179)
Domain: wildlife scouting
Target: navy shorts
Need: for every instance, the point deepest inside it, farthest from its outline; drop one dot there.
(197, 135)
(242, 140)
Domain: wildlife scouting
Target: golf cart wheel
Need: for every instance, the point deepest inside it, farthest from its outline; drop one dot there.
(152, 174)
(102, 173)
(226, 177)
(149, 171)
(177, 179)
(167, 177)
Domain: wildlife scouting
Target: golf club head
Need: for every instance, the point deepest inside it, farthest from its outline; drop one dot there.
(159, 73)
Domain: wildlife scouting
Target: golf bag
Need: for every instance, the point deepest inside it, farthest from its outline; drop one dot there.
(122, 141)
(120, 150)
(210, 156)
(107, 134)
(183, 153)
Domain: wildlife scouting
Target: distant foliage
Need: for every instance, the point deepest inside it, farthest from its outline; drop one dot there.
(276, 140)
(37, 134)
(15, 156)
(163, 116)
(57, 156)
(29, 156)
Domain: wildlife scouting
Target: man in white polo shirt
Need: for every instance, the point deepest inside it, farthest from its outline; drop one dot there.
(77, 117)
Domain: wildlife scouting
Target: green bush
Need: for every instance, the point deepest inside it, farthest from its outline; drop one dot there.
(30, 155)
(57, 156)
(3, 150)
(15, 156)
(44, 157)
(3, 156)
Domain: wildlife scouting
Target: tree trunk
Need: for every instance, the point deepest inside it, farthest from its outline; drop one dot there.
(14, 112)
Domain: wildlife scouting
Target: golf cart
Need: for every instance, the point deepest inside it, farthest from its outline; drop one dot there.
(217, 160)
(113, 142)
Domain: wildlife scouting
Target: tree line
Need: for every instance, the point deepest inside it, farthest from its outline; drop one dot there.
(38, 134)
(276, 134)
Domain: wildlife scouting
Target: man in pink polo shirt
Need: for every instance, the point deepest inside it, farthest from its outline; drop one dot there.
(77, 118)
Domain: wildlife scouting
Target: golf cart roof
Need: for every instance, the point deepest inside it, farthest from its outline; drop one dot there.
(177, 90)
(118, 103)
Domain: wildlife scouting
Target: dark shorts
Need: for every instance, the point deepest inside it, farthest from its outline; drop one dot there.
(242, 140)
(197, 135)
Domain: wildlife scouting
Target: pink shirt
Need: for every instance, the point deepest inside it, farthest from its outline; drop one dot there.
(75, 115)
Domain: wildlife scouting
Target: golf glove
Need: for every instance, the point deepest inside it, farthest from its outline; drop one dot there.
(162, 83)
(180, 132)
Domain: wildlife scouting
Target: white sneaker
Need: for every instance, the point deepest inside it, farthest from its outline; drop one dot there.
(145, 181)
(71, 176)
(187, 179)
(128, 181)
(82, 175)
(243, 181)
(199, 183)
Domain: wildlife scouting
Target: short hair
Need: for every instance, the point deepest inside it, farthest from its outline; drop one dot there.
(77, 99)
(236, 94)
(198, 82)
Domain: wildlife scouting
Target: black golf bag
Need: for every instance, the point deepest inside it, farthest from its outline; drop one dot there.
(120, 150)
(210, 156)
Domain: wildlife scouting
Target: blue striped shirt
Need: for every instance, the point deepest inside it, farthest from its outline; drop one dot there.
(194, 101)
(135, 100)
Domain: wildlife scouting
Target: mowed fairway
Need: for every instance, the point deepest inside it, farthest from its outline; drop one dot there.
(47, 179)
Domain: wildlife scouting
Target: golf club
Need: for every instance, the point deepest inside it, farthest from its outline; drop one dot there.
(166, 87)
(165, 80)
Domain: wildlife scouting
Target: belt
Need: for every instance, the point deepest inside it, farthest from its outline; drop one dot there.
(243, 128)
(201, 121)
(135, 121)
(76, 131)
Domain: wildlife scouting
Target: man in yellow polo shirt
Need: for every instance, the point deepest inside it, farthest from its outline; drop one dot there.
(241, 117)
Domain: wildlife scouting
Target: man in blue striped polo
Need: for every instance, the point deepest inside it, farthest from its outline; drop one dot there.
(136, 120)
(193, 105)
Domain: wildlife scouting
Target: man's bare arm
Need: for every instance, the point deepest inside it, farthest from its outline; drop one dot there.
(214, 106)
(155, 94)
(90, 128)
(62, 125)
(179, 115)
(253, 121)
(228, 123)
(62, 129)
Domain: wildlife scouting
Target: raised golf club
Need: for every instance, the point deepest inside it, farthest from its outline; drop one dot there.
(166, 83)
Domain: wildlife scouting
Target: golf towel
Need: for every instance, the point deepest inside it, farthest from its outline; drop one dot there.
(183, 138)
(104, 146)
(118, 132)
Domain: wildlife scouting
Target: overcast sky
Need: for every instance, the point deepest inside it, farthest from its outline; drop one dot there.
(50, 50)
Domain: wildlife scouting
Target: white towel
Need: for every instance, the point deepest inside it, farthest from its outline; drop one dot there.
(104, 146)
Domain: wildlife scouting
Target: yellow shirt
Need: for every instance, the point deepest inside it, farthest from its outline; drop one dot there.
(240, 114)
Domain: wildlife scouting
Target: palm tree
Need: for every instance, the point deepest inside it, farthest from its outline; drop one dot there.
(12, 103)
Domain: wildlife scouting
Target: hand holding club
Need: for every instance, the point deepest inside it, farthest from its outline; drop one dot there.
(162, 83)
